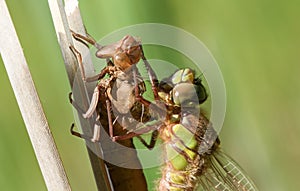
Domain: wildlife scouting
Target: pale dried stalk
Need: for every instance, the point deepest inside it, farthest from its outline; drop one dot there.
(65, 18)
(29, 104)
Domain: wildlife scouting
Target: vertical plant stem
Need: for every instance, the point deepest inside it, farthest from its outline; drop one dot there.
(29, 104)
(66, 17)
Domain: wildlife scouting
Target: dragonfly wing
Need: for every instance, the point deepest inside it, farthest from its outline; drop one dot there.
(222, 173)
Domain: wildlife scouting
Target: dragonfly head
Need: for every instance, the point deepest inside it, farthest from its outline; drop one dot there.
(183, 88)
(131, 47)
(124, 53)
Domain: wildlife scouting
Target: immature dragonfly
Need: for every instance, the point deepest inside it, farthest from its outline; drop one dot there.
(123, 89)
(192, 154)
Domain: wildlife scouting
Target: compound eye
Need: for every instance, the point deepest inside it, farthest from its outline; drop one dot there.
(120, 57)
(129, 42)
(134, 53)
(122, 61)
(201, 91)
(182, 76)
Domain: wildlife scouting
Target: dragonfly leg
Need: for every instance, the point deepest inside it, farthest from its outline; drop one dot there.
(88, 114)
(151, 74)
(75, 105)
(103, 72)
(96, 134)
(87, 38)
(130, 135)
(77, 134)
(159, 107)
(153, 140)
(93, 104)
(137, 133)
(79, 60)
(138, 97)
(110, 123)
(109, 69)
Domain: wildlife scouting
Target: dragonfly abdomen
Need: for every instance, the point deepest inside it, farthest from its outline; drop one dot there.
(183, 163)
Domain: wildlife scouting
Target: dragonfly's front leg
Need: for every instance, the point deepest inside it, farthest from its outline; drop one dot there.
(138, 96)
(151, 74)
(103, 72)
(87, 38)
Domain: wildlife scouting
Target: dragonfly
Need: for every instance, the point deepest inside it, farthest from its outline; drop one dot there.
(117, 102)
(122, 91)
(193, 157)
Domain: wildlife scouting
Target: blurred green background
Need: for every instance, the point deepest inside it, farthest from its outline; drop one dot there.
(256, 44)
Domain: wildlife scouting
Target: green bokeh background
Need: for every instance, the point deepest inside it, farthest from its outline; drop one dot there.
(256, 44)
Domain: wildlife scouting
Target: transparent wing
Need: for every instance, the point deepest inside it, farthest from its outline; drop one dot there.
(222, 173)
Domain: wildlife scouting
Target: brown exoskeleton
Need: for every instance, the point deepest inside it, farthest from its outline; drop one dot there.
(122, 91)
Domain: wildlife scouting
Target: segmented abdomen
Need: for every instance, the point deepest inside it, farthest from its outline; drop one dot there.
(185, 152)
